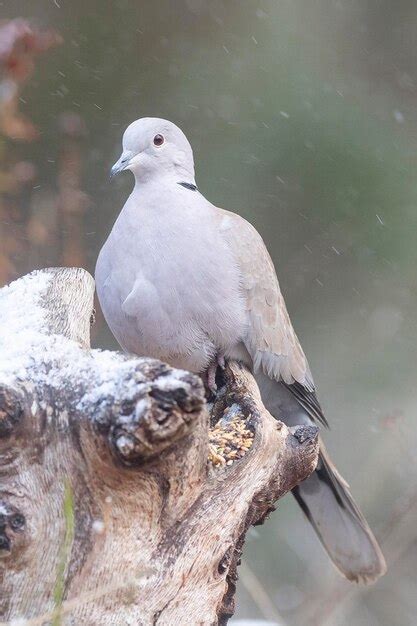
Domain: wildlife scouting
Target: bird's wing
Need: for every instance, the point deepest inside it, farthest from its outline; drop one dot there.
(271, 340)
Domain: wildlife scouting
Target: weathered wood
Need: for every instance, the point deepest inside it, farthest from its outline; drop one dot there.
(109, 509)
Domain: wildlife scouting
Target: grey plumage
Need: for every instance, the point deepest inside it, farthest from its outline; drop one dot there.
(325, 497)
(186, 282)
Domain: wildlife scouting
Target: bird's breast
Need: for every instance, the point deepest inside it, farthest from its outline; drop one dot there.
(173, 291)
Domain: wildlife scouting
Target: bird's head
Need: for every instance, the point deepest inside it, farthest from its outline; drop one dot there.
(153, 147)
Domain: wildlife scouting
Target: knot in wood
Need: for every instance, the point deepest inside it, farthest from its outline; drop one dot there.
(154, 416)
(306, 434)
(12, 521)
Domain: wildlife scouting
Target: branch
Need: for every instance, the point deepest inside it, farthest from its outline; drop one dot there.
(112, 477)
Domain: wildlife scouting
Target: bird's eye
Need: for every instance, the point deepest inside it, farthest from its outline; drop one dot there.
(158, 140)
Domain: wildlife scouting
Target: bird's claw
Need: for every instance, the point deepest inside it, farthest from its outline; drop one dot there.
(211, 378)
(211, 372)
(220, 361)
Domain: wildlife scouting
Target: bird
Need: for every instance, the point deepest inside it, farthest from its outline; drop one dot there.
(181, 280)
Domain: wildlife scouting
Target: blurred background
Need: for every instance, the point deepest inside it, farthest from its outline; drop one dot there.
(303, 119)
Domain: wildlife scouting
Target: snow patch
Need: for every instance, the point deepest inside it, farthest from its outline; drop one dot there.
(22, 319)
(28, 353)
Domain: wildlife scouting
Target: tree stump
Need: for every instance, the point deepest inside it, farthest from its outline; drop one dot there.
(118, 502)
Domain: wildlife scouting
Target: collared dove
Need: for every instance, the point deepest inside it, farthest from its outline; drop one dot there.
(191, 284)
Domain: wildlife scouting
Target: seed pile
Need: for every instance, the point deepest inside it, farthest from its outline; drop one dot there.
(229, 439)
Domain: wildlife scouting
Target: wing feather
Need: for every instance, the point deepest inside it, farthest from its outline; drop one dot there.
(271, 340)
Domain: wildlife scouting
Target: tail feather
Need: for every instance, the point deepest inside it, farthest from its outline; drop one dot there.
(325, 497)
(342, 529)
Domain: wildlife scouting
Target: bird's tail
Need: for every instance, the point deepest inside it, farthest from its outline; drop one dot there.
(326, 500)
(342, 529)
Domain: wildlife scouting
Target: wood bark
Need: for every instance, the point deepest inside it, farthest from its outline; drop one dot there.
(110, 512)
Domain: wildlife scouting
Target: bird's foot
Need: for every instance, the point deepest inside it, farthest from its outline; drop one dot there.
(211, 377)
(221, 361)
(211, 372)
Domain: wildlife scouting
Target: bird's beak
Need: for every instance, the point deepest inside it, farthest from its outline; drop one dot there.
(122, 163)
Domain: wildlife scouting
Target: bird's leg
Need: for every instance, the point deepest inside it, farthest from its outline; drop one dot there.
(211, 377)
(221, 361)
(211, 372)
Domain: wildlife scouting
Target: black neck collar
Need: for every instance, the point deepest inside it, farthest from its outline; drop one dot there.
(190, 186)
